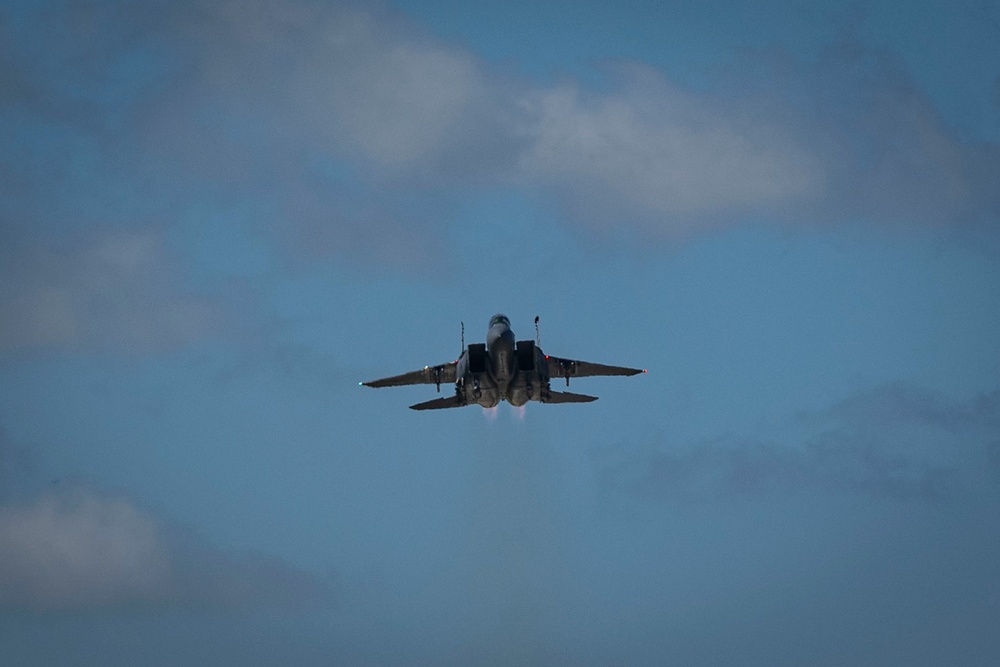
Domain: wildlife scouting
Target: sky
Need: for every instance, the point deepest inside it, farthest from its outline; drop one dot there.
(217, 218)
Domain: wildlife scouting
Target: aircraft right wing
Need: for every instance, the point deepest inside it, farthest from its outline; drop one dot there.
(567, 368)
(441, 374)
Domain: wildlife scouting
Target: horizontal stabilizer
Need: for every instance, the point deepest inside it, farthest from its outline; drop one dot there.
(439, 404)
(566, 397)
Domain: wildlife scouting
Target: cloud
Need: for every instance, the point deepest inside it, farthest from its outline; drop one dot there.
(846, 138)
(899, 403)
(116, 290)
(340, 128)
(314, 130)
(747, 469)
(889, 154)
(15, 463)
(893, 443)
(80, 549)
(651, 151)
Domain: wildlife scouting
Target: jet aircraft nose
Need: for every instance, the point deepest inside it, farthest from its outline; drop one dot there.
(500, 337)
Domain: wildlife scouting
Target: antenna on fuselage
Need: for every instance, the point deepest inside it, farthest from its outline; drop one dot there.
(463, 337)
(538, 336)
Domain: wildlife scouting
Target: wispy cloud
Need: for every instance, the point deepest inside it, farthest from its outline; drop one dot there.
(895, 442)
(80, 549)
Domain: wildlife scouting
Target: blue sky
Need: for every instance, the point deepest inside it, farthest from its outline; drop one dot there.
(216, 219)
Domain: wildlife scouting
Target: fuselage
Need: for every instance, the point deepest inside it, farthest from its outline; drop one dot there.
(501, 370)
(500, 346)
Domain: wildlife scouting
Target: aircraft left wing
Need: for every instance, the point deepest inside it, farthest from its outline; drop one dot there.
(567, 368)
(441, 374)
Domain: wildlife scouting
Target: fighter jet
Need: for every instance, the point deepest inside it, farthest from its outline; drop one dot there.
(502, 370)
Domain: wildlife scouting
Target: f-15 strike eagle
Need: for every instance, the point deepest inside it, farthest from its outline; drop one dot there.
(502, 370)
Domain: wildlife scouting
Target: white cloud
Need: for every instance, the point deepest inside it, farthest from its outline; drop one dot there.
(117, 290)
(82, 550)
(652, 150)
(87, 552)
(357, 83)
(398, 100)
(847, 138)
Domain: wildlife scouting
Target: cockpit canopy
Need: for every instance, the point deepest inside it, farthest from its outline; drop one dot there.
(499, 318)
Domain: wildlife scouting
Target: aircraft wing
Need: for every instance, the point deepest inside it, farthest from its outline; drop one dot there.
(567, 368)
(441, 374)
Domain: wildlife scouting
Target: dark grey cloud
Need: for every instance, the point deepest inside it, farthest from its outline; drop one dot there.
(728, 469)
(895, 442)
(899, 403)
(78, 549)
(15, 464)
